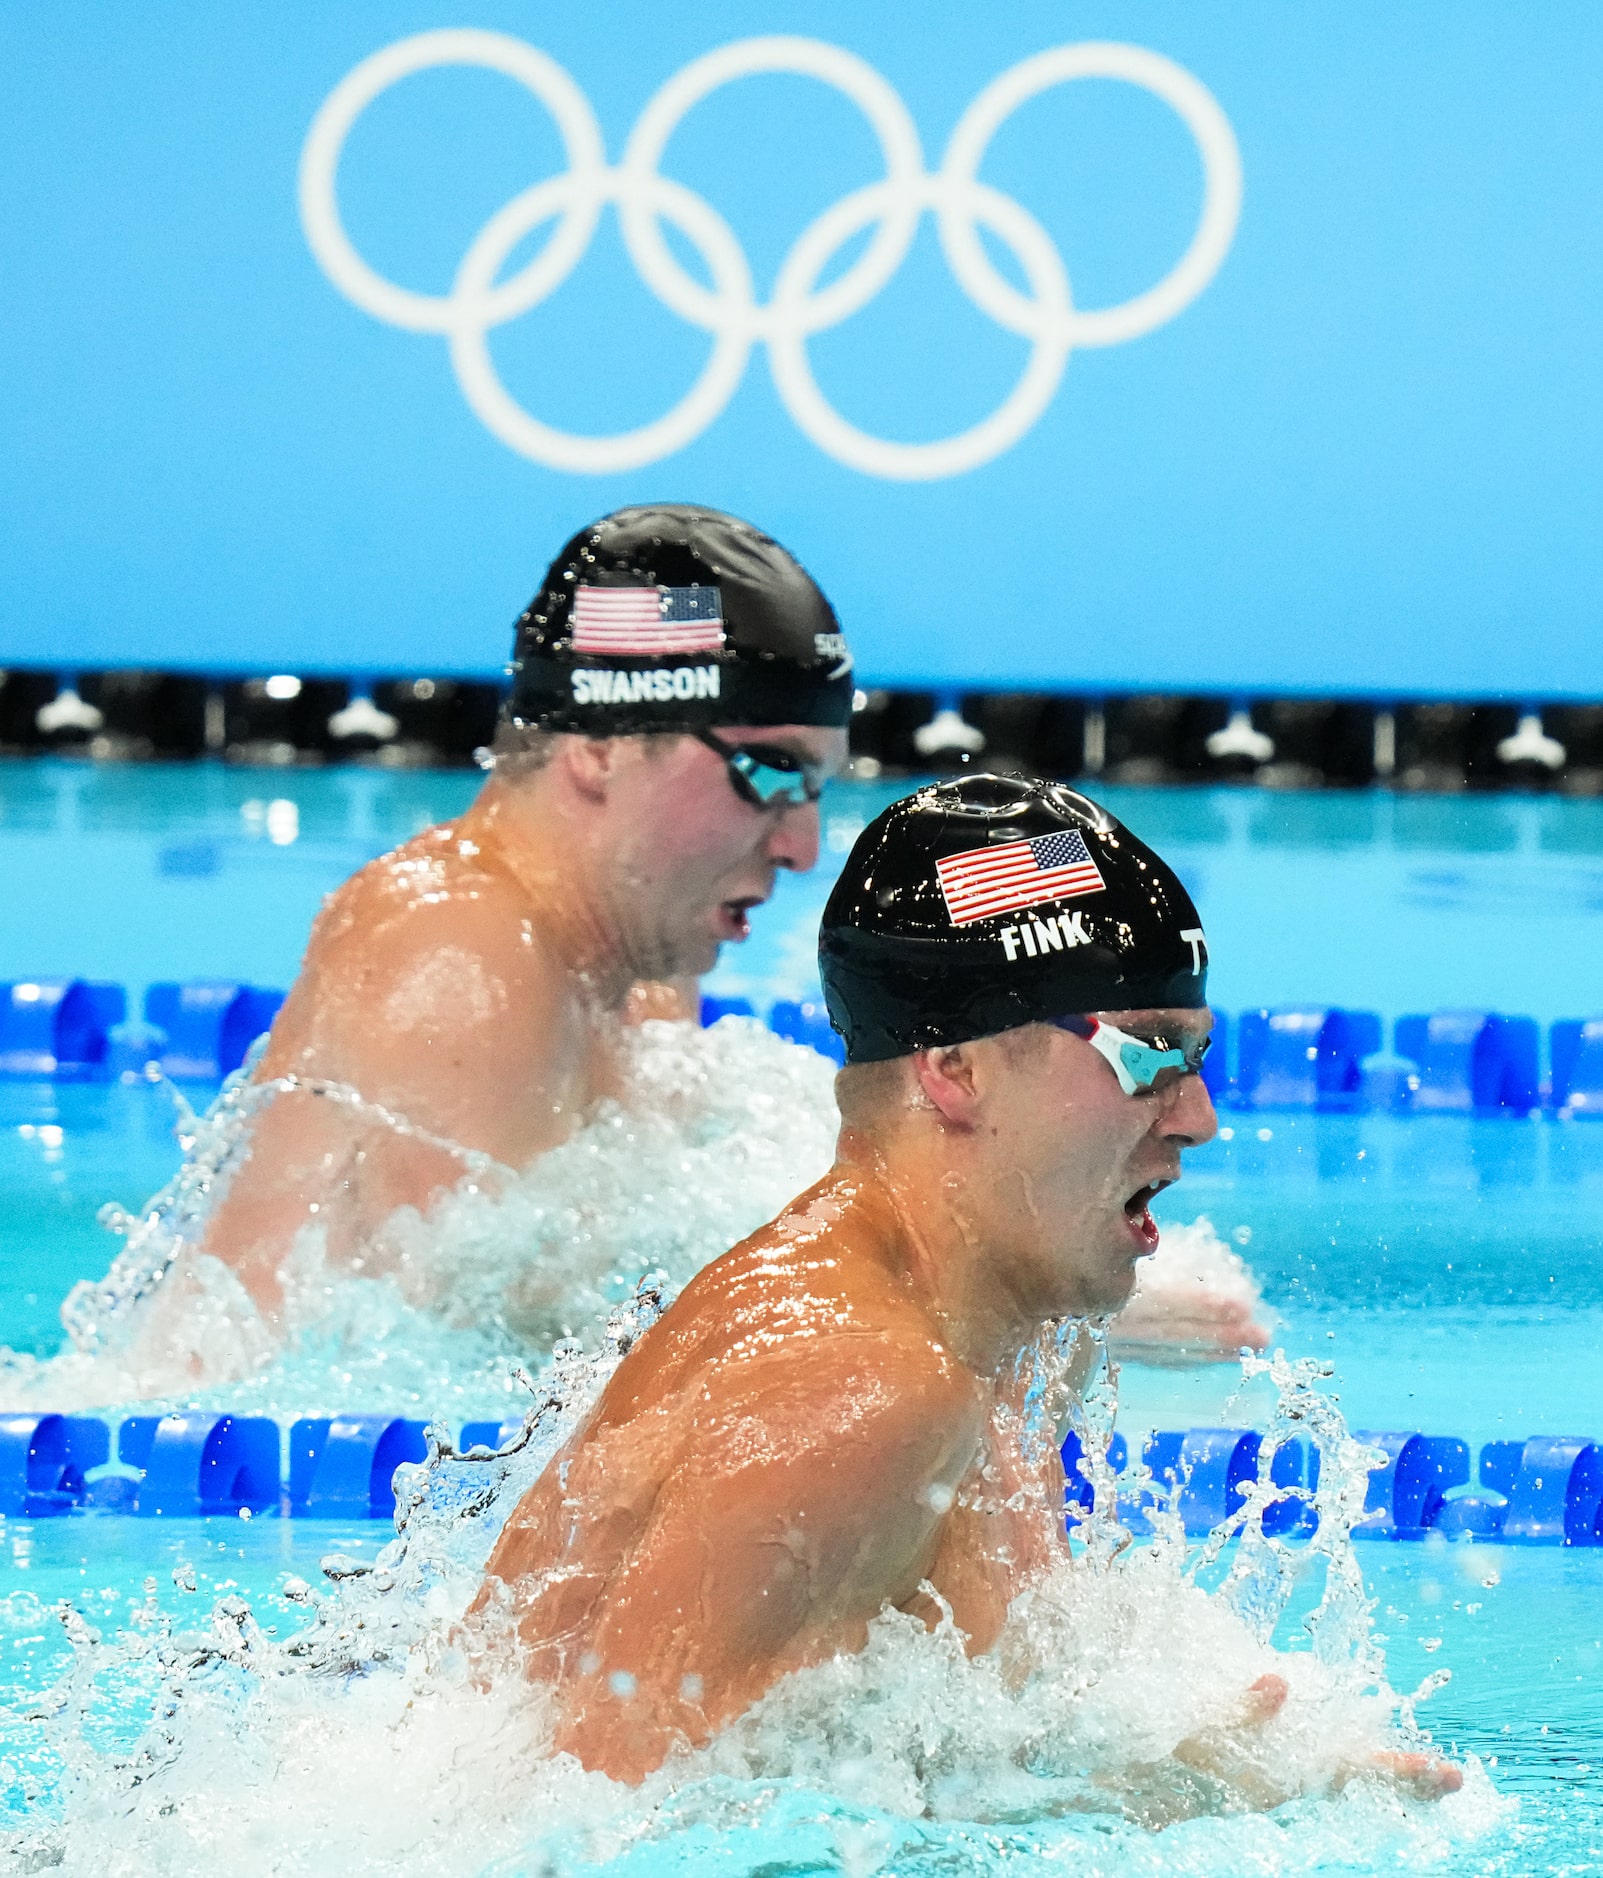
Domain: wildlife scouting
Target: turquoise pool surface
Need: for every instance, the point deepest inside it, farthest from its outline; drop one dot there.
(1383, 1243)
(1392, 903)
(1449, 1270)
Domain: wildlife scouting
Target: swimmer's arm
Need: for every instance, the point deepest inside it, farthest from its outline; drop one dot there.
(803, 1503)
(449, 1012)
(1180, 1333)
(443, 1016)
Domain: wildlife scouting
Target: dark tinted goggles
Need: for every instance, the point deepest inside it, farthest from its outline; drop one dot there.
(765, 777)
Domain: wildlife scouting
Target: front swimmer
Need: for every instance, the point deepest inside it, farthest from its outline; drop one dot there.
(680, 691)
(828, 1420)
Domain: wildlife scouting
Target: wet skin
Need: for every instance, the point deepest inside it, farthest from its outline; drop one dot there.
(827, 1420)
(472, 982)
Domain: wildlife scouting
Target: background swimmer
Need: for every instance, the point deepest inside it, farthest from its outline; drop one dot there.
(680, 692)
(831, 1419)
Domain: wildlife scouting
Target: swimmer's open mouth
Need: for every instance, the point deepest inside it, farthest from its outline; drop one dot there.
(1143, 1227)
(735, 915)
(1143, 1197)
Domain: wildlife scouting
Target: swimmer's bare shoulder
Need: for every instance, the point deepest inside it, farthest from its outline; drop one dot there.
(824, 1272)
(781, 1449)
(427, 986)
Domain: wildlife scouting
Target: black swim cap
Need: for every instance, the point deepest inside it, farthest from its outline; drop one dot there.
(670, 618)
(978, 905)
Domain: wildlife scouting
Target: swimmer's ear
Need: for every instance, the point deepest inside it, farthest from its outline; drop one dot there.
(946, 1077)
(592, 764)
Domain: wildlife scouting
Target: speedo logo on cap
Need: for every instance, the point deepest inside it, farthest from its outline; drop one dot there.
(983, 881)
(683, 682)
(832, 646)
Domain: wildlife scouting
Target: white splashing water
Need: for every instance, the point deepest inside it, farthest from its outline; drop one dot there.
(1192, 1259)
(1111, 1707)
(717, 1131)
(364, 1745)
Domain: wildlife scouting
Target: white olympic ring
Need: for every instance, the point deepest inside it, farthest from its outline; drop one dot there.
(798, 308)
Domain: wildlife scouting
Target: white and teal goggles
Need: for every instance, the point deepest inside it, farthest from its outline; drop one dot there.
(1138, 1062)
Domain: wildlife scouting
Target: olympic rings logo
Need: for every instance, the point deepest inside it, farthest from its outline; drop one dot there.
(798, 308)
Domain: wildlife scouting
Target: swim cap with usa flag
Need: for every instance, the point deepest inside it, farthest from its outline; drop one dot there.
(671, 617)
(979, 905)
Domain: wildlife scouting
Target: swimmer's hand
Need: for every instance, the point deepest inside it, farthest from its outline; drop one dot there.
(1178, 1329)
(1235, 1756)
(1195, 1301)
(1423, 1775)
(1232, 1754)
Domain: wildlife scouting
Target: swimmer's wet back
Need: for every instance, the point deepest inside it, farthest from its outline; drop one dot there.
(980, 905)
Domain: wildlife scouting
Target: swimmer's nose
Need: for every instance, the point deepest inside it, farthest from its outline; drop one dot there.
(1189, 1118)
(793, 839)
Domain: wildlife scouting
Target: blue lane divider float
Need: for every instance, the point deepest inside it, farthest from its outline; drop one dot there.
(43, 1460)
(1556, 1492)
(1408, 1493)
(74, 1029)
(206, 1026)
(1473, 1062)
(1216, 1064)
(1323, 1059)
(714, 1008)
(807, 1021)
(1577, 1056)
(1212, 1468)
(341, 1466)
(1305, 1059)
(1545, 1490)
(1077, 1484)
(198, 1463)
(1311, 1058)
(58, 1027)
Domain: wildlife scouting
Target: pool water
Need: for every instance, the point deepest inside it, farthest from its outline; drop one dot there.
(1390, 1246)
(1449, 1270)
(1395, 903)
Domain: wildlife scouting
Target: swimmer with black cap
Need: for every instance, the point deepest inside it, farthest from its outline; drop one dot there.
(1044, 911)
(829, 1419)
(680, 693)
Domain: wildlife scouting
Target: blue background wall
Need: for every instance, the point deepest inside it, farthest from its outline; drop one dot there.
(1366, 457)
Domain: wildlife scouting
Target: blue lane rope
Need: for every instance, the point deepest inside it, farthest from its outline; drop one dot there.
(1545, 1490)
(1311, 1057)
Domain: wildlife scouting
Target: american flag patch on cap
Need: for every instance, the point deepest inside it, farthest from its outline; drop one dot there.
(983, 881)
(647, 622)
